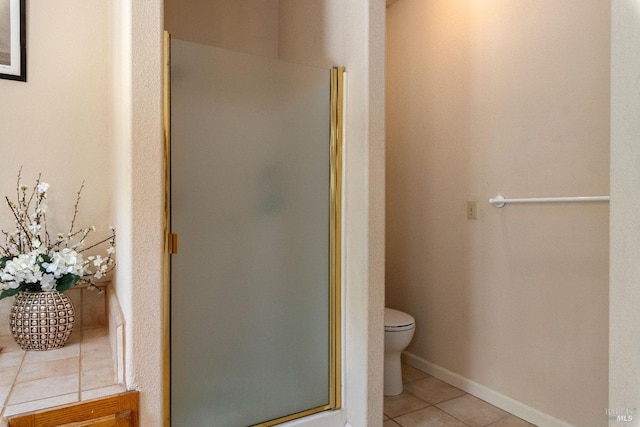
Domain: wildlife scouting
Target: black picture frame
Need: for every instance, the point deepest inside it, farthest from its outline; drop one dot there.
(13, 40)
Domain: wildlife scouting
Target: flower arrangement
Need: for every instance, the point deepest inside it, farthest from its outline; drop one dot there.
(31, 260)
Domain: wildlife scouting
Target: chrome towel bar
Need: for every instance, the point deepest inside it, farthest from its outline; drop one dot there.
(499, 201)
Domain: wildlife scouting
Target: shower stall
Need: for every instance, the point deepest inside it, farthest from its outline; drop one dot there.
(254, 171)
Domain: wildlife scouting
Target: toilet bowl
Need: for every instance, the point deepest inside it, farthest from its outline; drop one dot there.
(398, 332)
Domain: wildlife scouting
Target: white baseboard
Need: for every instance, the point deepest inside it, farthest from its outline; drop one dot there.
(503, 402)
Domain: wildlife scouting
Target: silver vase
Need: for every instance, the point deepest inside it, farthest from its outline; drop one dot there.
(41, 320)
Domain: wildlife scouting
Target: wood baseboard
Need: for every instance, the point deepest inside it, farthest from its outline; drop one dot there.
(119, 410)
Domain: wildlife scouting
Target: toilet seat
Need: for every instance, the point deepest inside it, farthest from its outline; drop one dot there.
(396, 321)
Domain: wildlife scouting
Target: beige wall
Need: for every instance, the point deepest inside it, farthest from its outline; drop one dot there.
(57, 122)
(624, 350)
(303, 33)
(249, 26)
(502, 97)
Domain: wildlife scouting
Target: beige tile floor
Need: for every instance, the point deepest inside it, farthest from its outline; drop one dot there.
(428, 402)
(32, 380)
(83, 370)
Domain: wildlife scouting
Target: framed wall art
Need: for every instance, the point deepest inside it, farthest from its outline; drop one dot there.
(13, 40)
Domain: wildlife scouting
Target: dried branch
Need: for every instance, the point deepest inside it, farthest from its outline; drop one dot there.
(75, 208)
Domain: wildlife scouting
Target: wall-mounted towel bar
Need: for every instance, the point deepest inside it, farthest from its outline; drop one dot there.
(499, 201)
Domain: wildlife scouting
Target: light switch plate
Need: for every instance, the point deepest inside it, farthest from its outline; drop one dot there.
(472, 209)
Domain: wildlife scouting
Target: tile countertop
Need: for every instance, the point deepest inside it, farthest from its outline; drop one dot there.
(33, 380)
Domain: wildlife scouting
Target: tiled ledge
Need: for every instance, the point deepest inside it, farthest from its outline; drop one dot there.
(82, 370)
(90, 305)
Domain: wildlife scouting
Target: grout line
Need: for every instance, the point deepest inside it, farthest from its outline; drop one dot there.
(13, 383)
(434, 406)
(394, 419)
(453, 416)
(411, 412)
(468, 394)
(447, 400)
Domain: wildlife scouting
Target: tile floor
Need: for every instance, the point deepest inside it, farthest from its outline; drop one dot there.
(428, 402)
(81, 370)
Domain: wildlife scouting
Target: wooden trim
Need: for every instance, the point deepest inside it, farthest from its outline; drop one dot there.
(122, 418)
(120, 410)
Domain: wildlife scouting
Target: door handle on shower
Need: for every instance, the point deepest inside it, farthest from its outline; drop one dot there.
(173, 243)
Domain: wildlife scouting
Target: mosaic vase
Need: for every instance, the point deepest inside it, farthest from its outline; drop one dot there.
(41, 320)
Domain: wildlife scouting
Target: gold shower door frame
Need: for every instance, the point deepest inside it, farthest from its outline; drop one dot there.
(335, 244)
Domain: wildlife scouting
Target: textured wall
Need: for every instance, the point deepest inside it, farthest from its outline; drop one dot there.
(144, 333)
(624, 350)
(137, 58)
(502, 97)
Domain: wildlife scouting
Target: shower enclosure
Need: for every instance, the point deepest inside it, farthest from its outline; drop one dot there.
(254, 176)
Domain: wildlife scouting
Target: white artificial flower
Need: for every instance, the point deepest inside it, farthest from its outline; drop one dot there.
(63, 262)
(21, 269)
(43, 187)
(9, 284)
(48, 282)
(32, 258)
(51, 267)
(98, 261)
(37, 275)
(13, 249)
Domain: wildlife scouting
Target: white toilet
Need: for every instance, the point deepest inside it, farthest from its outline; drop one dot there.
(398, 332)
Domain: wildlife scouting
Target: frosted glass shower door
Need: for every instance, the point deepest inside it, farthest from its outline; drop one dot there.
(250, 173)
